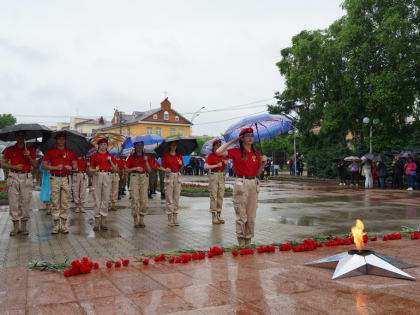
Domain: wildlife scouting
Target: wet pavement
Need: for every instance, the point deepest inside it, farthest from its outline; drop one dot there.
(288, 210)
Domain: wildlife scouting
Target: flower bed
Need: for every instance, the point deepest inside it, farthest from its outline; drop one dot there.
(3, 190)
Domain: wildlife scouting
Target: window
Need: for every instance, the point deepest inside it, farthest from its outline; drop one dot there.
(158, 131)
(173, 132)
(155, 116)
(149, 130)
(166, 116)
(181, 132)
(176, 118)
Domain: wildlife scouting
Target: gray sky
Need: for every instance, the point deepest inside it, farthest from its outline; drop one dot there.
(85, 57)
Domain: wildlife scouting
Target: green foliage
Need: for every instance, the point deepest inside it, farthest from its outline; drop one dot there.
(200, 142)
(7, 120)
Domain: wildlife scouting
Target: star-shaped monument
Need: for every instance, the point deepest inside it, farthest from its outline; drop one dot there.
(355, 263)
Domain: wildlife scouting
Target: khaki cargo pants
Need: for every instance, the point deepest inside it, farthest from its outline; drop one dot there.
(245, 202)
(115, 181)
(217, 191)
(102, 192)
(20, 193)
(60, 196)
(172, 192)
(139, 185)
(80, 182)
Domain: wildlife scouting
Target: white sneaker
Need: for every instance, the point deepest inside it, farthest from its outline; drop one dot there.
(344, 184)
(340, 184)
(410, 188)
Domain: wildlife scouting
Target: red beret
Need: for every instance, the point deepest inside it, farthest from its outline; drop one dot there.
(246, 130)
(102, 140)
(216, 142)
(60, 134)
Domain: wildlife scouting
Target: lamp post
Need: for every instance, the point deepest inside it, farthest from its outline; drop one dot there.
(366, 121)
(195, 115)
(294, 132)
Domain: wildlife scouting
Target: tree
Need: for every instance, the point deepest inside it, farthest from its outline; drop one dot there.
(7, 120)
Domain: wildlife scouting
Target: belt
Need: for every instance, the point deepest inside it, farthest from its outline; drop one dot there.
(20, 172)
(137, 172)
(104, 171)
(217, 172)
(82, 172)
(247, 177)
(174, 171)
(59, 175)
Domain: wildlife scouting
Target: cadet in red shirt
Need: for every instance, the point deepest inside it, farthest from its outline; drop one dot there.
(248, 165)
(122, 173)
(172, 163)
(216, 165)
(60, 161)
(80, 183)
(138, 168)
(154, 167)
(101, 165)
(115, 181)
(19, 159)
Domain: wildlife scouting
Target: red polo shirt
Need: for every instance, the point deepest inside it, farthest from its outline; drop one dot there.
(121, 164)
(16, 156)
(58, 156)
(81, 164)
(101, 159)
(136, 161)
(214, 159)
(153, 163)
(245, 167)
(171, 161)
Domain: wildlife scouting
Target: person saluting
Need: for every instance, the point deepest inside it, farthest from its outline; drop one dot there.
(248, 165)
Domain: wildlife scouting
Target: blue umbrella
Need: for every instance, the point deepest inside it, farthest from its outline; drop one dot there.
(207, 147)
(150, 141)
(265, 126)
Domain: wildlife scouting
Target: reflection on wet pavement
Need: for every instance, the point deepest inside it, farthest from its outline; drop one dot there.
(286, 211)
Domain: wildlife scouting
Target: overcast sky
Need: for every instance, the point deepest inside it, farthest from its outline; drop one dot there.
(86, 57)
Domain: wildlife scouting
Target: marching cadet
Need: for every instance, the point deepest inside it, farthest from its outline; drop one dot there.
(115, 181)
(154, 168)
(20, 160)
(171, 165)
(138, 167)
(248, 165)
(123, 175)
(80, 183)
(101, 165)
(60, 161)
(216, 166)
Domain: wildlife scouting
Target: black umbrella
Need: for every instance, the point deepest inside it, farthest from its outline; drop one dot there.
(31, 131)
(74, 141)
(184, 145)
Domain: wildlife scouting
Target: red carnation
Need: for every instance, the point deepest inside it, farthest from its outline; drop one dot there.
(385, 238)
(96, 265)
(145, 261)
(162, 257)
(178, 260)
(125, 262)
(373, 238)
(171, 260)
(67, 273)
(85, 260)
(210, 254)
(235, 252)
(117, 264)
(109, 264)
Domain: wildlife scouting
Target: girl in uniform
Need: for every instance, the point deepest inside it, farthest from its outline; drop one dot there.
(248, 165)
(101, 165)
(137, 167)
(172, 163)
(216, 165)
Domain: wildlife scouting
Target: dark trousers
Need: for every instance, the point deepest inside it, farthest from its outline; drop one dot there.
(355, 177)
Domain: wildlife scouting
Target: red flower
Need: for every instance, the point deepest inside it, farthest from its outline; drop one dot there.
(178, 260)
(145, 261)
(235, 252)
(96, 265)
(210, 254)
(385, 238)
(125, 262)
(117, 264)
(109, 264)
(157, 258)
(162, 257)
(171, 260)
(85, 260)
(67, 273)
(373, 238)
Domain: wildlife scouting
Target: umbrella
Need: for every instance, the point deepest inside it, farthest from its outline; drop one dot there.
(31, 131)
(351, 158)
(34, 143)
(266, 126)
(184, 145)
(207, 147)
(374, 157)
(406, 154)
(115, 140)
(150, 141)
(74, 141)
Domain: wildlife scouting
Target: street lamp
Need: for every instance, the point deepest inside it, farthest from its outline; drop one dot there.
(294, 132)
(375, 121)
(195, 115)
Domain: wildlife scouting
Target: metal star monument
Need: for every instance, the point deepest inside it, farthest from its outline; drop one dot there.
(355, 263)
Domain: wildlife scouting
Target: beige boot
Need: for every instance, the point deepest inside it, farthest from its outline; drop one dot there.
(175, 219)
(221, 221)
(170, 220)
(241, 242)
(77, 208)
(15, 231)
(247, 242)
(214, 219)
(141, 222)
(103, 223)
(48, 212)
(23, 227)
(56, 227)
(63, 226)
(82, 208)
(136, 221)
(113, 207)
(96, 224)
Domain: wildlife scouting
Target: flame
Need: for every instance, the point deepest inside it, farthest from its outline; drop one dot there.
(357, 232)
